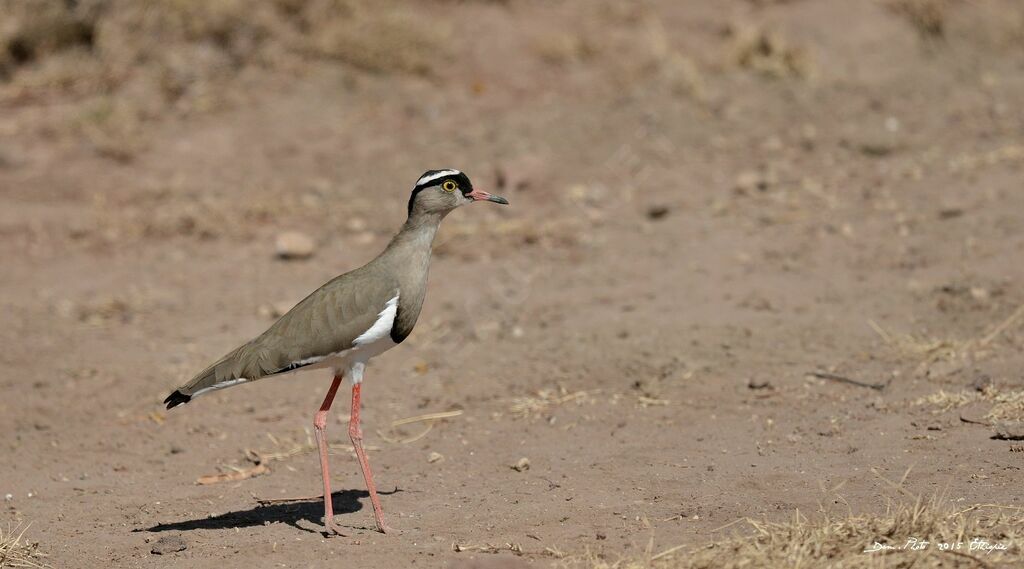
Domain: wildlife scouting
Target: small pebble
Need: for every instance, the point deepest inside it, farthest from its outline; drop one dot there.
(750, 181)
(656, 212)
(876, 148)
(979, 293)
(435, 457)
(1009, 431)
(169, 544)
(981, 383)
(758, 384)
(275, 310)
(294, 245)
(521, 465)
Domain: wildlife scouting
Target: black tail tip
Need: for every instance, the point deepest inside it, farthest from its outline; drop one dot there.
(177, 398)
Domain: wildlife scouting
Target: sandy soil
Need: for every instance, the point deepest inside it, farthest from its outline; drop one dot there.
(709, 201)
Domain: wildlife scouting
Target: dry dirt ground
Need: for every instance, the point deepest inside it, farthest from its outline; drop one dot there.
(710, 201)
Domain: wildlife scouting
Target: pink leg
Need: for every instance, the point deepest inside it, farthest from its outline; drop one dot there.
(356, 434)
(319, 426)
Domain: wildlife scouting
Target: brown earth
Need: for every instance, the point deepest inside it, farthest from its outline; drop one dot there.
(709, 201)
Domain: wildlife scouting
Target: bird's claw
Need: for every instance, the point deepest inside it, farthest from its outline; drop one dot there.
(331, 528)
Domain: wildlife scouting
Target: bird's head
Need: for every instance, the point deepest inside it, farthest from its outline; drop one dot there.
(440, 191)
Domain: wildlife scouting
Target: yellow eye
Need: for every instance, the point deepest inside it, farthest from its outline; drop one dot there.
(449, 185)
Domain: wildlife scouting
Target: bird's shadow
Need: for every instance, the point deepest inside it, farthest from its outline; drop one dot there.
(290, 512)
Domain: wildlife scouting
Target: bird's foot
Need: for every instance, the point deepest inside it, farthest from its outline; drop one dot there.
(332, 528)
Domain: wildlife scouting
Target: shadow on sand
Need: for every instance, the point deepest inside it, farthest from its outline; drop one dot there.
(291, 513)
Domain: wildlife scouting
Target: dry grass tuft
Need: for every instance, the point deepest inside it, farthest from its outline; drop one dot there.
(928, 17)
(383, 40)
(927, 348)
(989, 536)
(187, 40)
(33, 30)
(564, 48)
(1007, 406)
(546, 399)
(972, 161)
(15, 552)
(942, 401)
(945, 356)
(679, 72)
(769, 53)
(126, 62)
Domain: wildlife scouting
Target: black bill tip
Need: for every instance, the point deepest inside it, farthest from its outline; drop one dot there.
(497, 199)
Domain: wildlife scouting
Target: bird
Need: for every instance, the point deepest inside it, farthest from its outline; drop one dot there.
(347, 321)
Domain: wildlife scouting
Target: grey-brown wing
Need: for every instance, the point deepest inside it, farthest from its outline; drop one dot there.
(325, 322)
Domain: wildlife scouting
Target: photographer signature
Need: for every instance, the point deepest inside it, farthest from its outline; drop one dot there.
(977, 544)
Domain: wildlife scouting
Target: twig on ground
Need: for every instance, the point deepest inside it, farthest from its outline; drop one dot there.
(841, 379)
(1002, 327)
(668, 551)
(881, 332)
(894, 485)
(237, 474)
(980, 506)
(427, 417)
(730, 524)
(645, 401)
(488, 548)
(411, 439)
(974, 421)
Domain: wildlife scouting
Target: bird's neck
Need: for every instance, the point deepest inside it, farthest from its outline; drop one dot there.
(414, 241)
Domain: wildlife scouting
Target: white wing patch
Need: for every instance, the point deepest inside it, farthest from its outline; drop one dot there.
(431, 177)
(382, 327)
(220, 385)
(307, 361)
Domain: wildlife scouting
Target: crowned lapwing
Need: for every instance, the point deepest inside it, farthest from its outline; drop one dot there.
(349, 320)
